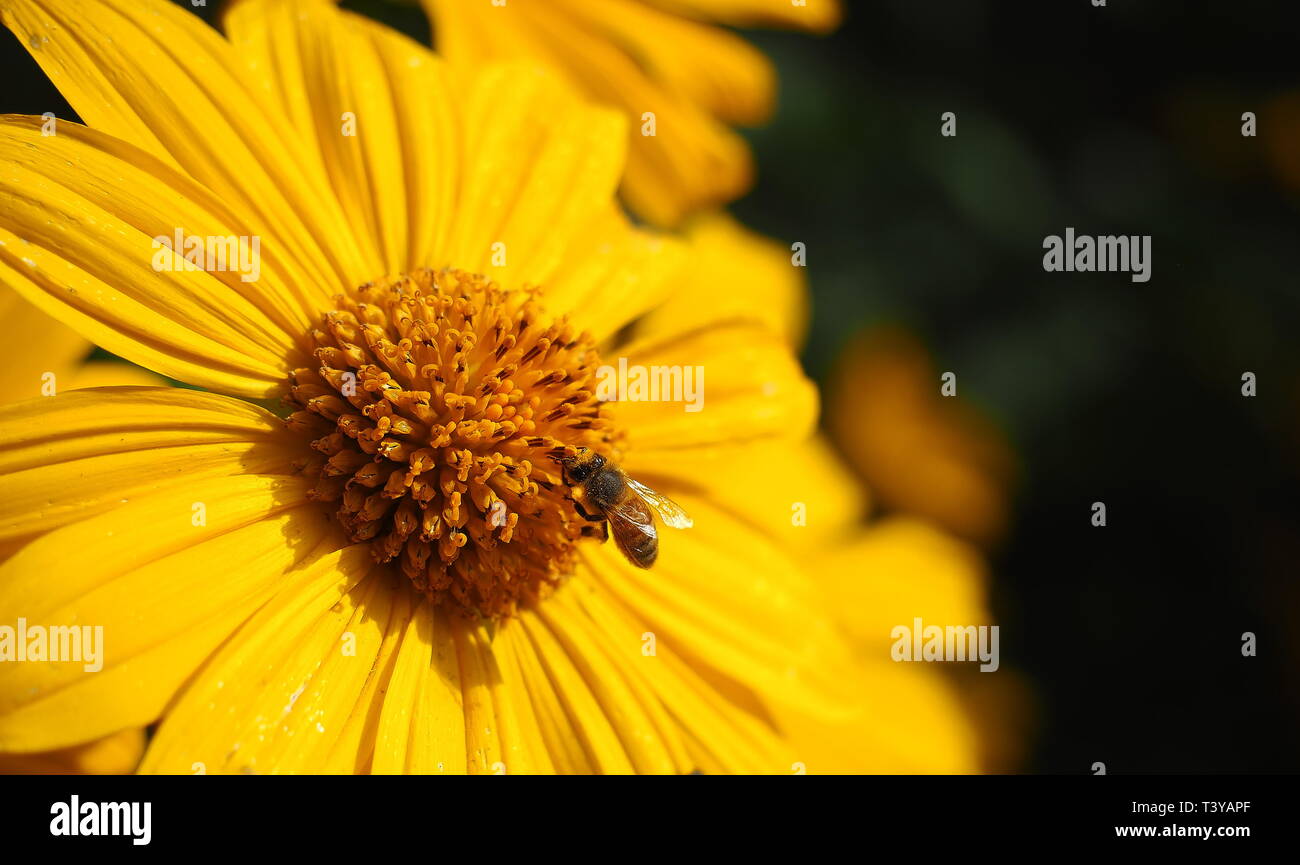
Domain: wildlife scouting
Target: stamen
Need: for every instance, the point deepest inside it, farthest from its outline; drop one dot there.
(438, 405)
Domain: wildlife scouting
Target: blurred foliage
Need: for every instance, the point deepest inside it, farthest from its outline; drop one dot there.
(1127, 120)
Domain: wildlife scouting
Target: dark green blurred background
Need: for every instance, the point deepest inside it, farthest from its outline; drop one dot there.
(1117, 120)
(1127, 120)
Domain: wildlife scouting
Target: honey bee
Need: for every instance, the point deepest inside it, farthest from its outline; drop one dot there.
(627, 505)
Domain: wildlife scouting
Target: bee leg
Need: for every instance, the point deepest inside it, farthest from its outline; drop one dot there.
(600, 531)
(586, 516)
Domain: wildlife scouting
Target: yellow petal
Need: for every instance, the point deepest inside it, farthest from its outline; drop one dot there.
(422, 723)
(612, 275)
(604, 751)
(116, 754)
(724, 598)
(544, 166)
(79, 238)
(374, 105)
(164, 590)
(558, 732)
(692, 162)
(909, 721)
(111, 373)
(647, 734)
(36, 345)
(897, 570)
(709, 66)
(156, 76)
(752, 389)
(278, 695)
(813, 15)
(82, 452)
(495, 739)
(733, 273)
(805, 497)
(715, 725)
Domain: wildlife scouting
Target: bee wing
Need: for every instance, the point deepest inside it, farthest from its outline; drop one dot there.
(632, 524)
(669, 511)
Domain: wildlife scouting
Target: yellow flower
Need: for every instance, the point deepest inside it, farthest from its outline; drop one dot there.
(943, 470)
(920, 452)
(396, 577)
(680, 79)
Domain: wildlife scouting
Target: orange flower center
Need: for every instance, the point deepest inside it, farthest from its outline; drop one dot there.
(438, 408)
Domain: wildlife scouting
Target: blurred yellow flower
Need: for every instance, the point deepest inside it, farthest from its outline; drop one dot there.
(920, 452)
(681, 79)
(46, 356)
(396, 579)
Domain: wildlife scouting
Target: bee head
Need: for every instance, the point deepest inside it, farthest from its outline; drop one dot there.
(584, 463)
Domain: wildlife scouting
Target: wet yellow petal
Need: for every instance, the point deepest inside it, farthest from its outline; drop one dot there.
(165, 590)
(78, 237)
(156, 76)
(278, 694)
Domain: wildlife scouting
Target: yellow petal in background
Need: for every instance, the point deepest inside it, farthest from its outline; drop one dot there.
(897, 570)
(112, 373)
(909, 720)
(817, 16)
(708, 66)
(733, 273)
(678, 80)
(116, 754)
(37, 345)
(920, 452)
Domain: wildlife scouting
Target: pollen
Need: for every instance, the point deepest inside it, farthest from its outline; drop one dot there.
(435, 416)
